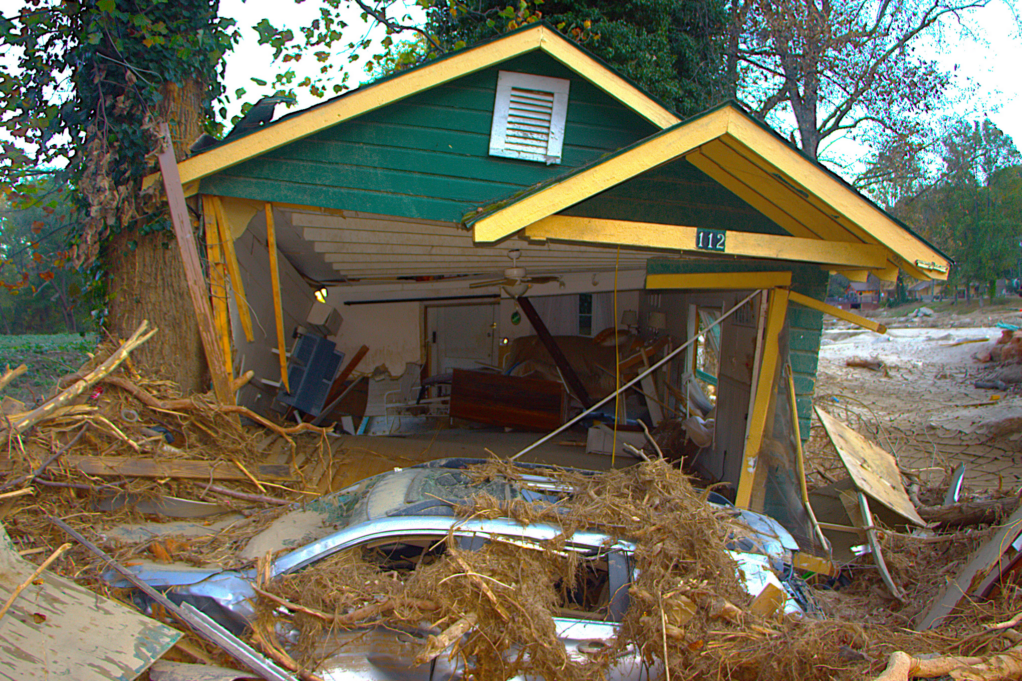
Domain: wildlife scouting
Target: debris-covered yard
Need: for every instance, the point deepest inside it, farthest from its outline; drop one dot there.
(166, 485)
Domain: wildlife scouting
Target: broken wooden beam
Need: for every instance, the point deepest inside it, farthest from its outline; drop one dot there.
(568, 373)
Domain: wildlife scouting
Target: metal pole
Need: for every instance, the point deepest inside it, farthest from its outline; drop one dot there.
(635, 380)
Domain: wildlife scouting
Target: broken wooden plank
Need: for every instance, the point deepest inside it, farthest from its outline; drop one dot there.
(217, 283)
(57, 629)
(193, 268)
(190, 469)
(987, 560)
(233, 269)
(873, 470)
(197, 621)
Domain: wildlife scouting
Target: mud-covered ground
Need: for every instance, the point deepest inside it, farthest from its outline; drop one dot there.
(917, 393)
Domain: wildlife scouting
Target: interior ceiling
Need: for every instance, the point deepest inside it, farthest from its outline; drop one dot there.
(349, 245)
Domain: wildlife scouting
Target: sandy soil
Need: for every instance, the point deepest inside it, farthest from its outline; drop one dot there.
(921, 403)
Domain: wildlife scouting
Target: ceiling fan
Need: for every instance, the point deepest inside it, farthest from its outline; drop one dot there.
(516, 281)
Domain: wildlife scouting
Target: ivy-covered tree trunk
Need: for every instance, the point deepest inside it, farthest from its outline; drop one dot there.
(146, 275)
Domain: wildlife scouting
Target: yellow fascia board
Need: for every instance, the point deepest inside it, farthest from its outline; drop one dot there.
(681, 238)
(833, 311)
(600, 177)
(719, 280)
(419, 80)
(872, 222)
(610, 82)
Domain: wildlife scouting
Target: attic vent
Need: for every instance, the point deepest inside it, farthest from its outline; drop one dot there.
(528, 117)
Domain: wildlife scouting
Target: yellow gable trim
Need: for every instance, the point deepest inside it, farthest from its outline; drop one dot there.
(866, 219)
(624, 166)
(418, 80)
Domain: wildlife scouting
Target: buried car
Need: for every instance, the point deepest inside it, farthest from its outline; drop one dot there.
(406, 518)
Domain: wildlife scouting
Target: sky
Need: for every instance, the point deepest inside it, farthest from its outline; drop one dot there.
(989, 63)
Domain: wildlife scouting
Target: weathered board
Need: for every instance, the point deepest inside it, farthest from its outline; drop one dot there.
(873, 470)
(173, 468)
(58, 630)
(527, 403)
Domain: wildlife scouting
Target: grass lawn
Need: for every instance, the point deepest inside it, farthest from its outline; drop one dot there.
(48, 358)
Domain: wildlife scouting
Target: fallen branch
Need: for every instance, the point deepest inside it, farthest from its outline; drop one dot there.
(970, 513)
(245, 496)
(11, 374)
(439, 643)
(39, 570)
(266, 640)
(1001, 667)
(70, 394)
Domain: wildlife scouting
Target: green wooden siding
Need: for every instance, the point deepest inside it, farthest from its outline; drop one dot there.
(805, 326)
(427, 156)
(677, 193)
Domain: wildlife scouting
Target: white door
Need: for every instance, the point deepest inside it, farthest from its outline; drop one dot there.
(462, 336)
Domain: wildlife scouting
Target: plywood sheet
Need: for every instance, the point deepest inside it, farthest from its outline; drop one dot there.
(59, 630)
(873, 470)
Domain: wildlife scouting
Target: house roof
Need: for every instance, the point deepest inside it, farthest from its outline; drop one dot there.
(809, 202)
(538, 37)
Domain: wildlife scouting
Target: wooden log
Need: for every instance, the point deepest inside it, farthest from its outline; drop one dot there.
(11, 374)
(570, 377)
(964, 514)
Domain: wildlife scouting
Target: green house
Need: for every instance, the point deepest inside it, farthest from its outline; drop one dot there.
(424, 207)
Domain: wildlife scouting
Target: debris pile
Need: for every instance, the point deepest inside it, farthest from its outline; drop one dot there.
(122, 458)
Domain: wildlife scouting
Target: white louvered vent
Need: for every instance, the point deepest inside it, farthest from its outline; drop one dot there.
(528, 117)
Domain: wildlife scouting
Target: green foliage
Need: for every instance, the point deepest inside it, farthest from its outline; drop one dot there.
(671, 49)
(973, 210)
(40, 290)
(88, 81)
(48, 357)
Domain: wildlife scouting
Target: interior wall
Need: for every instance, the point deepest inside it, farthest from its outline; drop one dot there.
(391, 331)
(296, 298)
(560, 313)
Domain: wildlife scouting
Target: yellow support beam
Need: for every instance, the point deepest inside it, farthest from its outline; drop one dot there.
(233, 270)
(556, 197)
(815, 304)
(766, 387)
(827, 192)
(278, 312)
(217, 283)
(682, 238)
(719, 280)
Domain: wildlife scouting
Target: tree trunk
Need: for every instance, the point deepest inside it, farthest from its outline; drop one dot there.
(146, 276)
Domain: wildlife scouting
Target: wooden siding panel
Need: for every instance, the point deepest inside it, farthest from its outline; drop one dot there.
(427, 156)
(677, 193)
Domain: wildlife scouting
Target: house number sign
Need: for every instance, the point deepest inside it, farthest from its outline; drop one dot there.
(711, 239)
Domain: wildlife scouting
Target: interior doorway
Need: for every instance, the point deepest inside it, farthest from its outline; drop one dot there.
(461, 336)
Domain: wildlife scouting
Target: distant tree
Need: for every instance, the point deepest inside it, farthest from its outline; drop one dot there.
(840, 66)
(973, 209)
